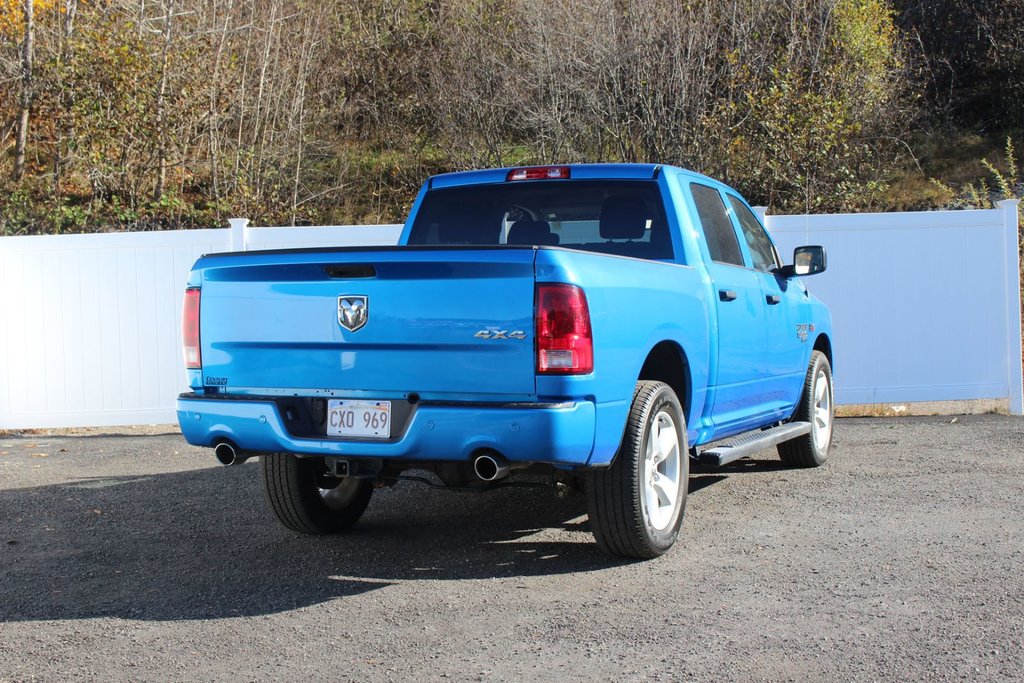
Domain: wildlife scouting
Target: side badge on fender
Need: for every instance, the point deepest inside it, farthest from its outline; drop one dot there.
(353, 311)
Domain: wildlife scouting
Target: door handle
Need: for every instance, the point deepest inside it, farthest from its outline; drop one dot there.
(726, 295)
(773, 299)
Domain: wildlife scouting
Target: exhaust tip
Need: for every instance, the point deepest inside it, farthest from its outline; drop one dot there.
(490, 466)
(226, 454)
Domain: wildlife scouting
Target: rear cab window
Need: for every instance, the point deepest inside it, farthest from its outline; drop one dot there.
(622, 217)
(723, 246)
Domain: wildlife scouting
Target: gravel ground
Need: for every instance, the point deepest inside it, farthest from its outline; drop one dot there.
(127, 557)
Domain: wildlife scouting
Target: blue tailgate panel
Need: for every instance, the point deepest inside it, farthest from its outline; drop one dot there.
(274, 321)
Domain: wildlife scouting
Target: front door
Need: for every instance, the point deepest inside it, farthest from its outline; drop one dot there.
(785, 299)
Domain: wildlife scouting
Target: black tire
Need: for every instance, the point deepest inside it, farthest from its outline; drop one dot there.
(617, 495)
(304, 499)
(811, 450)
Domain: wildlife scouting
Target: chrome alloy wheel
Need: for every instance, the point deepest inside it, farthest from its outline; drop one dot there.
(821, 423)
(662, 467)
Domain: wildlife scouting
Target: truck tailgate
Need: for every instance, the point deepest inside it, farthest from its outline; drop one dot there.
(439, 321)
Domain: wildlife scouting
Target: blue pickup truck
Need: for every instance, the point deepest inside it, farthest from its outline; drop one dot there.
(591, 326)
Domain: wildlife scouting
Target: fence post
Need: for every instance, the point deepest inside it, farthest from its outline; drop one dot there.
(1013, 313)
(238, 228)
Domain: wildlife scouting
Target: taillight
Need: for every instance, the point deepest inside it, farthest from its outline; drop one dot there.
(539, 173)
(190, 328)
(565, 344)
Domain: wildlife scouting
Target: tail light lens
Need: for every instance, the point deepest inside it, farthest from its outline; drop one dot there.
(565, 344)
(190, 328)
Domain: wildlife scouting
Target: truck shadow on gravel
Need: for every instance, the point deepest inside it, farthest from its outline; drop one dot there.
(202, 545)
(746, 465)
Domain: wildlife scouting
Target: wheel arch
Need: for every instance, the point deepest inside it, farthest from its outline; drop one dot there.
(667, 362)
(824, 344)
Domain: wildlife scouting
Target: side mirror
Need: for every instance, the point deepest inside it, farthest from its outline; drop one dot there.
(809, 260)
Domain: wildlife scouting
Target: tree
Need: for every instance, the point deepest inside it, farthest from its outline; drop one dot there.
(25, 100)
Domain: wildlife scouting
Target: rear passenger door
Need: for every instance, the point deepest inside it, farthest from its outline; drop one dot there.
(785, 300)
(741, 363)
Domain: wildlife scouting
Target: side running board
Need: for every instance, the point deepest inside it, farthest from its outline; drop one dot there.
(747, 444)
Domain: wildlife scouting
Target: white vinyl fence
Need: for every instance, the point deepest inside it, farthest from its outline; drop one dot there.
(90, 325)
(925, 305)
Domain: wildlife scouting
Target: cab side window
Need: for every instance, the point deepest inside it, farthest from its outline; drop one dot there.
(718, 230)
(762, 251)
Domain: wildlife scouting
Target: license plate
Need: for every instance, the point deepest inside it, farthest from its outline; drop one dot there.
(367, 419)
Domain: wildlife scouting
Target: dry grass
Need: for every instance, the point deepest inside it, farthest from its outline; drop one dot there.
(954, 158)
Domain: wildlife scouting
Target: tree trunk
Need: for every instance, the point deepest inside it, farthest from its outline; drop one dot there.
(27, 54)
(213, 128)
(66, 120)
(161, 106)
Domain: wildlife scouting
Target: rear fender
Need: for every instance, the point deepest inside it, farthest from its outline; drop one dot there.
(692, 383)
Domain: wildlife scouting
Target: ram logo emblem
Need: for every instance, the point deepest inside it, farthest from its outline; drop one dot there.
(353, 311)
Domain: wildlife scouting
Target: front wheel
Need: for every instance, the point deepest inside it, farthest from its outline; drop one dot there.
(817, 407)
(305, 499)
(636, 505)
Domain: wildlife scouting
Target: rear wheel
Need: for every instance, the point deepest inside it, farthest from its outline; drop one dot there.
(817, 407)
(305, 499)
(636, 505)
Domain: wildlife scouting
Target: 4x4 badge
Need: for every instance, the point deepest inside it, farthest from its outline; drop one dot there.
(353, 311)
(500, 334)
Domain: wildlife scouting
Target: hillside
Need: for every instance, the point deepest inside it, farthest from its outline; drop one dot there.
(179, 113)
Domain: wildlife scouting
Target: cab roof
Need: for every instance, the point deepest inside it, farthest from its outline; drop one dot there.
(576, 172)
